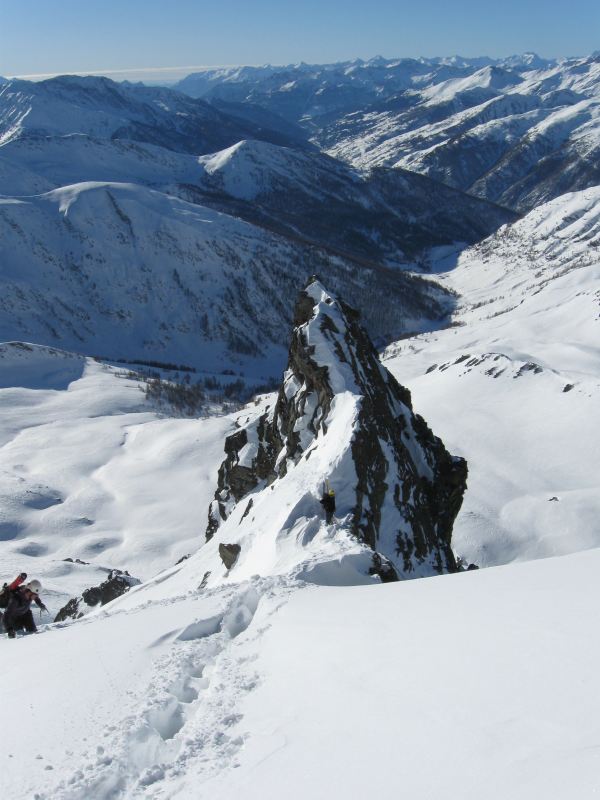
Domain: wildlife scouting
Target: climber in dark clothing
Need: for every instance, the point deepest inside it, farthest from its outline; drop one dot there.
(18, 613)
(328, 503)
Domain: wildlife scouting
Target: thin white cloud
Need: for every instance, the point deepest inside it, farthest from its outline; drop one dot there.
(154, 74)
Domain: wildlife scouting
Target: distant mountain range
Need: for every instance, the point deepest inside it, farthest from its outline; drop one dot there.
(516, 131)
(141, 223)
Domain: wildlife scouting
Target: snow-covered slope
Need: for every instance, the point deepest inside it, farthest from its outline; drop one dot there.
(103, 109)
(267, 689)
(514, 385)
(90, 470)
(34, 165)
(383, 216)
(122, 271)
(517, 138)
(388, 216)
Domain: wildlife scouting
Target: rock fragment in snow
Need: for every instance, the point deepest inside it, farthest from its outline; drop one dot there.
(229, 554)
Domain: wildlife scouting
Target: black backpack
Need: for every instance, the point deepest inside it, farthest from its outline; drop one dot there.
(4, 596)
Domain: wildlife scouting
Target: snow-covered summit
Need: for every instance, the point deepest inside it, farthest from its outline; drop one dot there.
(339, 420)
(250, 168)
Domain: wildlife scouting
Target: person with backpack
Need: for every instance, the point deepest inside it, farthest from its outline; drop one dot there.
(7, 589)
(328, 503)
(18, 614)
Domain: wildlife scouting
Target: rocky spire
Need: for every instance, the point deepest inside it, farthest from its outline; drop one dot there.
(398, 489)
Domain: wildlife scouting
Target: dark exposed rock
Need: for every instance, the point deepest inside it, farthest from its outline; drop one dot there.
(407, 488)
(116, 584)
(383, 568)
(462, 565)
(229, 554)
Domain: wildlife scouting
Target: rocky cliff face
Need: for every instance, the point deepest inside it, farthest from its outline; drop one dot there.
(398, 489)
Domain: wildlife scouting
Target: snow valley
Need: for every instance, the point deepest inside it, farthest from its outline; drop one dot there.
(371, 284)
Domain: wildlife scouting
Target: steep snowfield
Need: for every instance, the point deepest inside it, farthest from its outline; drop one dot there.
(34, 165)
(481, 682)
(515, 385)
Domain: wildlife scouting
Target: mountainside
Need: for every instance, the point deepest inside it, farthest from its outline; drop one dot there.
(517, 131)
(269, 688)
(518, 139)
(386, 216)
(306, 93)
(122, 271)
(514, 385)
(104, 109)
(382, 216)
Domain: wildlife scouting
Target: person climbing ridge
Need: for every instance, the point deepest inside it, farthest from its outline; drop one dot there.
(18, 614)
(328, 502)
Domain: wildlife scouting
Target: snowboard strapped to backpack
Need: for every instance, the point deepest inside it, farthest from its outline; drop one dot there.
(7, 588)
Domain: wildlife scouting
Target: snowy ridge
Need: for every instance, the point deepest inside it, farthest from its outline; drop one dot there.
(213, 692)
(380, 216)
(104, 109)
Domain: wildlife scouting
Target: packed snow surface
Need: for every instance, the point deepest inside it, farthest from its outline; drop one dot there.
(269, 688)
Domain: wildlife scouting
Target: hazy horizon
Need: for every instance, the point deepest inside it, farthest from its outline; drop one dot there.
(163, 43)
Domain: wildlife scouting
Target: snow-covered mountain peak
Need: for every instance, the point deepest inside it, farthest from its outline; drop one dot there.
(494, 79)
(341, 421)
(251, 168)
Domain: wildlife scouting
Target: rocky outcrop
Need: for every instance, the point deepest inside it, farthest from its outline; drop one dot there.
(116, 584)
(398, 488)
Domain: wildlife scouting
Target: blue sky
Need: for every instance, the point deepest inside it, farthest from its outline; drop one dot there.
(55, 36)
